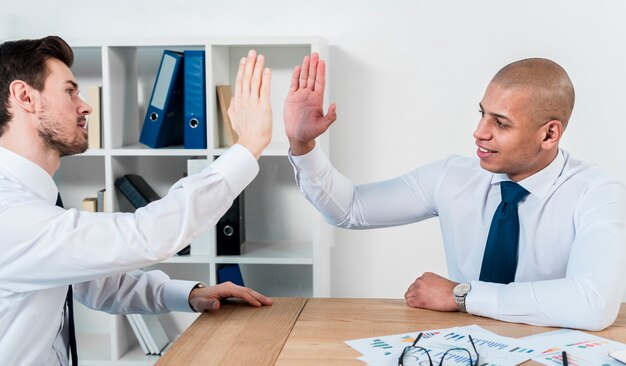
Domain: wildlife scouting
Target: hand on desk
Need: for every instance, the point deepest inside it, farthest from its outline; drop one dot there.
(431, 291)
(208, 298)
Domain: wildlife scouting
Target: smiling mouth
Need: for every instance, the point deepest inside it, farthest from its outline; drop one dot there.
(482, 149)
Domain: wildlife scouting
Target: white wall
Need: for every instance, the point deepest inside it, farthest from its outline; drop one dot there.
(407, 77)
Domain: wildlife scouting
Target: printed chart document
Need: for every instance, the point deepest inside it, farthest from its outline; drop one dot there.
(494, 350)
(583, 349)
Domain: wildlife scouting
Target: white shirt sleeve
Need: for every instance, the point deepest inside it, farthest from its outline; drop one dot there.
(136, 292)
(53, 247)
(367, 206)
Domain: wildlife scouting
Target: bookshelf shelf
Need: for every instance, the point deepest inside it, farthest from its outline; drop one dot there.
(286, 252)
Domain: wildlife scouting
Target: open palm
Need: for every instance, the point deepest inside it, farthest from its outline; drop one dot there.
(304, 114)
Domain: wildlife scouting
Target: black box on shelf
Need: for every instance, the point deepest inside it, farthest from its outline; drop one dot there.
(230, 229)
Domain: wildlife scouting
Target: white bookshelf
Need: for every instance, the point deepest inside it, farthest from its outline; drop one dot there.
(287, 248)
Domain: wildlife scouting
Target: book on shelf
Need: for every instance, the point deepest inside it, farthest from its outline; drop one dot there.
(94, 120)
(195, 99)
(138, 334)
(139, 193)
(228, 134)
(90, 204)
(230, 272)
(101, 199)
(164, 121)
(136, 190)
(149, 332)
(230, 229)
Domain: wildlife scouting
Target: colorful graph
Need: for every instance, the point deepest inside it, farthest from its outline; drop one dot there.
(489, 344)
(554, 356)
(588, 344)
(453, 336)
(378, 343)
(426, 335)
(407, 339)
(522, 350)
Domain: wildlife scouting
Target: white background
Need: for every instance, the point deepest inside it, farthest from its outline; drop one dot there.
(407, 77)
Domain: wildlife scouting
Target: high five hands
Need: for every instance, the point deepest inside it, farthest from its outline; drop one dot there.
(250, 111)
(303, 112)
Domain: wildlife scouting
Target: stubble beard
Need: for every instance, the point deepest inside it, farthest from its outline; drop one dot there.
(51, 132)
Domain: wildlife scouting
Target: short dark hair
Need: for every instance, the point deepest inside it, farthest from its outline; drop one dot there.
(26, 60)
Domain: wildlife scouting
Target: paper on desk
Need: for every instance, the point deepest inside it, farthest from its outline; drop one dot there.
(385, 350)
(583, 349)
(494, 350)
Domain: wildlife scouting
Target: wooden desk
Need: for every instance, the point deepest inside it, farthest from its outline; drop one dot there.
(297, 331)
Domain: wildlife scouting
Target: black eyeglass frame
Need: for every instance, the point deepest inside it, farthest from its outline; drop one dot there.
(430, 360)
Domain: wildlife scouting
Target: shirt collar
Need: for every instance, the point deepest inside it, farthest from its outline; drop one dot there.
(539, 183)
(29, 174)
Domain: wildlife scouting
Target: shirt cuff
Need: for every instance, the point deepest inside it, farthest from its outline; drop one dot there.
(482, 299)
(238, 166)
(176, 295)
(311, 164)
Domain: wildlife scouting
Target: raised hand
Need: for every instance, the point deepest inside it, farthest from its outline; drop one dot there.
(250, 111)
(304, 113)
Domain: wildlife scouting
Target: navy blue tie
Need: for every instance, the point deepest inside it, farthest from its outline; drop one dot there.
(501, 251)
(69, 302)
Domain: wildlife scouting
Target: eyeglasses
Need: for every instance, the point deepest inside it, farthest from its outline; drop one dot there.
(418, 356)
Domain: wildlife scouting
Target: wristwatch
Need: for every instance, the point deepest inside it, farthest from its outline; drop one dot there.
(460, 292)
(198, 285)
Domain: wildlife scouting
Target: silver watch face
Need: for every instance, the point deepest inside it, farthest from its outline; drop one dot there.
(461, 289)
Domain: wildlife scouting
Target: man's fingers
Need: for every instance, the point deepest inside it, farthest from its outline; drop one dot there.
(331, 116)
(266, 82)
(239, 79)
(313, 71)
(294, 78)
(255, 84)
(304, 72)
(252, 297)
(229, 289)
(247, 74)
(320, 78)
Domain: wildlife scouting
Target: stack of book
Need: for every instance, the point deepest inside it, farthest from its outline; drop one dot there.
(149, 332)
(176, 114)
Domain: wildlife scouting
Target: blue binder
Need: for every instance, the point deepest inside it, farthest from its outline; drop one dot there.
(230, 272)
(195, 100)
(163, 124)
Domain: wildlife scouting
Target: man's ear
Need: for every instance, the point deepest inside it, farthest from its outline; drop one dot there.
(553, 130)
(22, 95)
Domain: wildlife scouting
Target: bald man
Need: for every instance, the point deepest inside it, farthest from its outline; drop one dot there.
(531, 234)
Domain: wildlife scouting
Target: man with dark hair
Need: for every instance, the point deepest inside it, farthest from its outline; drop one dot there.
(531, 234)
(45, 248)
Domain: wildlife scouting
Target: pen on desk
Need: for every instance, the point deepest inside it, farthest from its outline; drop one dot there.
(564, 354)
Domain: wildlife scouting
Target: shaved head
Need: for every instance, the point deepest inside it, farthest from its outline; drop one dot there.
(548, 89)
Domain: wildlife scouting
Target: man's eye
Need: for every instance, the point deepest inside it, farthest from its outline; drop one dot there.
(482, 113)
(500, 124)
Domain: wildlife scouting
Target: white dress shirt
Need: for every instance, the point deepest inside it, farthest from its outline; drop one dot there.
(44, 248)
(572, 244)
